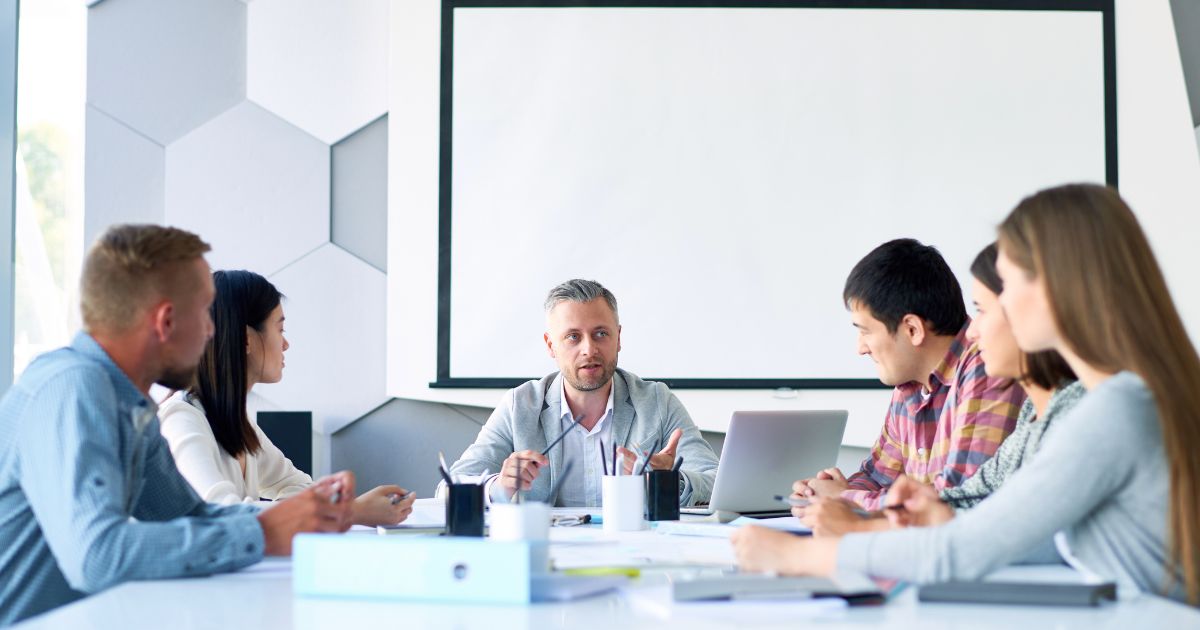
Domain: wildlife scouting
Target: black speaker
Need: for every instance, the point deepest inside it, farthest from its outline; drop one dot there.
(291, 431)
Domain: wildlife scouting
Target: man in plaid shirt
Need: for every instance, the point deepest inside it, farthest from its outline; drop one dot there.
(946, 417)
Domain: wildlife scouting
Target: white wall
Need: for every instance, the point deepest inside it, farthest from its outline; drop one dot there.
(248, 123)
(1159, 174)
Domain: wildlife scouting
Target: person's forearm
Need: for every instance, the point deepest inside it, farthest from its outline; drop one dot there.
(875, 523)
(811, 556)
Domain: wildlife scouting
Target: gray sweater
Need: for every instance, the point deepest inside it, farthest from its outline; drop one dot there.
(1100, 478)
(1016, 449)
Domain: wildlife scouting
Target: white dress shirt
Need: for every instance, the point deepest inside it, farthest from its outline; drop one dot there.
(215, 474)
(582, 449)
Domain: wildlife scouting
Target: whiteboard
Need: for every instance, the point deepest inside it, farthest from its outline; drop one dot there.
(722, 169)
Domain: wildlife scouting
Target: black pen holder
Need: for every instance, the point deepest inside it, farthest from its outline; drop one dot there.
(662, 495)
(464, 510)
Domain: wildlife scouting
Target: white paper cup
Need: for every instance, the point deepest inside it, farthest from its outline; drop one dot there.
(519, 521)
(528, 522)
(624, 500)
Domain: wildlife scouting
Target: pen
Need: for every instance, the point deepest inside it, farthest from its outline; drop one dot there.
(397, 498)
(603, 462)
(560, 437)
(678, 464)
(571, 521)
(614, 459)
(442, 460)
(793, 502)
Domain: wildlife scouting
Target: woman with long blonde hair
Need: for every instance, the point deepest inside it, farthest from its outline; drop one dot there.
(1117, 482)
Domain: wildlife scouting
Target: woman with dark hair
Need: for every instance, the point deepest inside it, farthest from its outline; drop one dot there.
(1051, 389)
(1046, 378)
(223, 454)
(1117, 482)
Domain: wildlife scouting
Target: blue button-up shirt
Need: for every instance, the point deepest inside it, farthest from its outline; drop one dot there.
(89, 494)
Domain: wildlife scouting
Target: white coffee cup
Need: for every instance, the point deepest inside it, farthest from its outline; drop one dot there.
(529, 522)
(624, 498)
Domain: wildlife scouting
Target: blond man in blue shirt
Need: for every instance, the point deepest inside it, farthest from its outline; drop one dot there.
(89, 494)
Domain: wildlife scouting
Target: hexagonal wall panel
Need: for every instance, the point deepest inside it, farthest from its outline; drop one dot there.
(165, 66)
(254, 186)
(335, 309)
(123, 181)
(358, 208)
(319, 64)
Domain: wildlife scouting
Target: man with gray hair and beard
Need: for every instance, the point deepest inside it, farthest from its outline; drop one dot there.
(583, 336)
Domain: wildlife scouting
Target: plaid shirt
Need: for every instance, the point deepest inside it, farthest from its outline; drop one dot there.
(942, 437)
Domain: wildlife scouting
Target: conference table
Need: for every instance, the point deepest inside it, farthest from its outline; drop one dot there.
(261, 596)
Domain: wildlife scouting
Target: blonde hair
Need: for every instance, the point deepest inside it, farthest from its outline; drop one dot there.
(131, 266)
(1111, 305)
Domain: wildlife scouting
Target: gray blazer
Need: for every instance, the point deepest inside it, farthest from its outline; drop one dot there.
(643, 412)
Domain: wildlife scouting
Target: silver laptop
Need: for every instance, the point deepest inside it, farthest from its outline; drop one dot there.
(765, 451)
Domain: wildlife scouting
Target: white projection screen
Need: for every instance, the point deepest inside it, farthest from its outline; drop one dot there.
(722, 168)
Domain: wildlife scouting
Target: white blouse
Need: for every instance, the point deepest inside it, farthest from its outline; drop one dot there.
(215, 474)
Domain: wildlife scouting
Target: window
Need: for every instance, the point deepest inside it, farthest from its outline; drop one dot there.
(51, 92)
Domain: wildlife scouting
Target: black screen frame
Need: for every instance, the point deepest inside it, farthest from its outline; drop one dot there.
(445, 162)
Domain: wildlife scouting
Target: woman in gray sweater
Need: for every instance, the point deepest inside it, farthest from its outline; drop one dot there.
(1116, 481)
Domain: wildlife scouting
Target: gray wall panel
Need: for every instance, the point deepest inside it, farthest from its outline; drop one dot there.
(358, 208)
(398, 443)
(123, 177)
(1187, 29)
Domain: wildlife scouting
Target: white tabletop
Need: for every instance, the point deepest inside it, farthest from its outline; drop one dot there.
(261, 597)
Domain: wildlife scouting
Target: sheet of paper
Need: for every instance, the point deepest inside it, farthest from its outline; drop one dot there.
(682, 528)
(782, 523)
(656, 601)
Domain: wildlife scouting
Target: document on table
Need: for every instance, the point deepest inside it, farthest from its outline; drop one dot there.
(585, 548)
